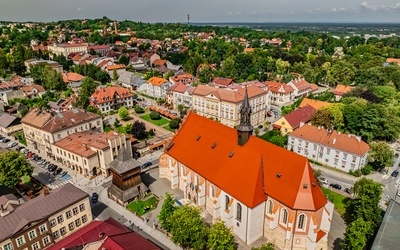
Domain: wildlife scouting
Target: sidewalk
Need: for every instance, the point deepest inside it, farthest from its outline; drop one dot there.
(335, 173)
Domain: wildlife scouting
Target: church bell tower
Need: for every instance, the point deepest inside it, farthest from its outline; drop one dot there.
(244, 129)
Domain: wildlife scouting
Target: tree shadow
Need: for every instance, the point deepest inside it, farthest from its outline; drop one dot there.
(147, 179)
(336, 244)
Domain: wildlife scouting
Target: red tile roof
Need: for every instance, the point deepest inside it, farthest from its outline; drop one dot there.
(159, 62)
(278, 87)
(255, 171)
(342, 89)
(109, 94)
(314, 103)
(393, 60)
(303, 114)
(72, 77)
(156, 81)
(301, 84)
(227, 94)
(116, 67)
(128, 241)
(344, 142)
(28, 89)
(222, 81)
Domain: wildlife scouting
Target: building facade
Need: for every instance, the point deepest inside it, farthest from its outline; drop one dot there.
(66, 48)
(344, 152)
(111, 98)
(180, 94)
(258, 189)
(280, 92)
(156, 87)
(44, 220)
(301, 87)
(43, 128)
(223, 104)
(89, 153)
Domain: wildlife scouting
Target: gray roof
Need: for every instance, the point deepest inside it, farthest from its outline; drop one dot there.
(40, 208)
(388, 233)
(6, 120)
(124, 162)
(129, 78)
(15, 94)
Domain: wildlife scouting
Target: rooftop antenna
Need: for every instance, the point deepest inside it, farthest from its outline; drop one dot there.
(188, 19)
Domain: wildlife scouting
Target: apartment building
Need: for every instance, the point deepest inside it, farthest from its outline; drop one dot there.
(223, 104)
(66, 48)
(281, 93)
(44, 220)
(89, 153)
(180, 94)
(111, 98)
(43, 127)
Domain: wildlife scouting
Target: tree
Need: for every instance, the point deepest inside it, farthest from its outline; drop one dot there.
(322, 118)
(220, 237)
(13, 165)
(115, 75)
(154, 115)
(87, 89)
(123, 113)
(355, 237)
(380, 156)
(180, 108)
(174, 123)
(139, 130)
(188, 228)
(138, 109)
(166, 212)
(124, 60)
(268, 246)
(282, 66)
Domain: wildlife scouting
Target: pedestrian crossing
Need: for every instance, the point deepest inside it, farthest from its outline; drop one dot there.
(385, 176)
(59, 184)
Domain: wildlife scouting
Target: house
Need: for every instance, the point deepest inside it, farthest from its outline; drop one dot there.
(130, 80)
(33, 91)
(111, 98)
(293, 120)
(172, 67)
(184, 78)
(344, 152)
(17, 82)
(260, 191)
(99, 49)
(101, 235)
(42, 128)
(138, 63)
(280, 93)
(72, 79)
(392, 61)
(387, 236)
(314, 103)
(89, 152)
(158, 63)
(156, 87)
(9, 124)
(34, 61)
(301, 87)
(67, 48)
(222, 82)
(119, 68)
(340, 90)
(44, 220)
(180, 94)
(15, 94)
(223, 104)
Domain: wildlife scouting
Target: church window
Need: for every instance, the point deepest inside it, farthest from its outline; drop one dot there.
(284, 216)
(183, 170)
(301, 222)
(212, 191)
(270, 206)
(197, 180)
(226, 202)
(239, 212)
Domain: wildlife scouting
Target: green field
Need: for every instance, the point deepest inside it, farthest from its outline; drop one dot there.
(340, 201)
(141, 207)
(160, 122)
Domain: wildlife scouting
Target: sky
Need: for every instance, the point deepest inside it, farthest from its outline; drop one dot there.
(359, 11)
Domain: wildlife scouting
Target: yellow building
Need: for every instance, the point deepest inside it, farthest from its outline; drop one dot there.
(291, 121)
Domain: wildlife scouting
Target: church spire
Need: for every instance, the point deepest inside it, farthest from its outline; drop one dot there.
(244, 128)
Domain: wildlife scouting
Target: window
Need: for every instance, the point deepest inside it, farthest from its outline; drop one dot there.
(226, 202)
(52, 222)
(8, 246)
(77, 222)
(63, 231)
(239, 212)
(82, 207)
(301, 222)
(270, 206)
(20, 241)
(68, 214)
(354, 159)
(71, 226)
(35, 246)
(56, 234)
(84, 218)
(344, 156)
(212, 191)
(32, 234)
(183, 170)
(284, 216)
(75, 210)
(46, 240)
(60, 219)
(197, 180)
(59, 136)
(42, 228)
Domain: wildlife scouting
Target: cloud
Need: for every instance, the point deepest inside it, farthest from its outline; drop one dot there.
(367, 6)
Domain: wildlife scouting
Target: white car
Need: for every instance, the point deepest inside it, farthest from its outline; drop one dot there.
(12, 144)
(323, 180)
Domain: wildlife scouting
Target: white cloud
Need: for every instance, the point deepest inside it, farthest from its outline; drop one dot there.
(379, 7)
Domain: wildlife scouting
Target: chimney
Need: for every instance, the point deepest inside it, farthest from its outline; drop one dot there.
(338, 132)
(319, 127)
(301, 124)
(358, 138)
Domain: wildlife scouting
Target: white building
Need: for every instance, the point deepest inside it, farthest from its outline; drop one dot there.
(301, 87)
(344, 152)
(180, 94)
(156, 87)
(66, 48)
(280, 92)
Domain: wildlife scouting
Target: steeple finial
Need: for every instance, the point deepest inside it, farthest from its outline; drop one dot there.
(244, 128)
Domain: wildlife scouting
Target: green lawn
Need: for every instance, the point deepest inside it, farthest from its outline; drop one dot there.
(141, 207)
(168, 128)
(340, 201)
(160, 122)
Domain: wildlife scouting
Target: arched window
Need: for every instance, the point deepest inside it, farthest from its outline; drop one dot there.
(270, 206)
(212, 191)
(284, 216)
(196, 181)
(239, 212)
(183, 170)
(301, 222)
(226, 202)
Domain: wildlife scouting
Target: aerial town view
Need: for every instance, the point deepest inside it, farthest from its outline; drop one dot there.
(146, 125)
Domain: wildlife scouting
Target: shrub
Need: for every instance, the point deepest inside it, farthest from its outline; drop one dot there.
(174, 123)
(154, 115)
(356, 173)
(138, 109)
(367, 170)
(151, 132)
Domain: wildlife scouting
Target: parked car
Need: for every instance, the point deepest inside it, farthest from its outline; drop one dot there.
(57, 171)
(383, 171)
(323, 180)
(64, 173)
(4, 140)
(52, 168)
(95, 197)
(336, 186)
(347, 190)
(146, 165)
(395, 173)
(12, 144)
(18, 148)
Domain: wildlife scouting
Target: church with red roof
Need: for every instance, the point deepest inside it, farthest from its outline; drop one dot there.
(261, 191)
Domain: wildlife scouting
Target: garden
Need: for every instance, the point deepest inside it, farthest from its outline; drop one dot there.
(340, 201)
(159, 121)
(141, 207)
